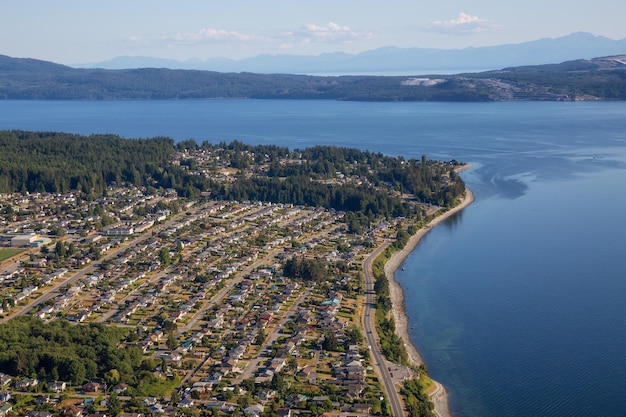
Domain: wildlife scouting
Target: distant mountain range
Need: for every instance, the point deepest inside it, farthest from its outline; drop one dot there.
(582, 79)
(393, 60)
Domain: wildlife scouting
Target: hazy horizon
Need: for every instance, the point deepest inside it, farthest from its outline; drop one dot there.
(71, 31)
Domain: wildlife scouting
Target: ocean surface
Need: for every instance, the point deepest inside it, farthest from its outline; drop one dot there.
(518, 303)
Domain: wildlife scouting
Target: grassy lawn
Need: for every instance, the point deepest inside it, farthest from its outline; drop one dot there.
(427, 384)
(159, 387)
(344, 315)
(9, 253)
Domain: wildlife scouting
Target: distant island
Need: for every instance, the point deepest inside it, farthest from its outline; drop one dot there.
(585, 79)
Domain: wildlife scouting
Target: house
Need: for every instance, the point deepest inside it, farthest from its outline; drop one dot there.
(119, 388)
(92, 387)
(40, 315)
(156, 336)
(149, 401)
(5, 409)
(4, 379)
(266, 394)
(42, 399)
(230, 366)
(278, 364)
(253, 410)
(356, 364)
(284, 412)
(156, 408)
(40, 414)
(320, 399)
(355, 373)
(220, 405)
(265, 318)
(26, 383)
(174, 357)
(73, 412)
(145, 345)
(355, 389)
(186, 403)
(308, 373)
(362, 408)
(297, 339)
(203, 386)
(177, 315)
(294, 399)
(5, 396)
(215, 377)
(352, 356)
(265, 377)
(57, 386)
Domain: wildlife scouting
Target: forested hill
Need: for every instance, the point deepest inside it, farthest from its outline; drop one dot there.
(596, 79)
(366, 183)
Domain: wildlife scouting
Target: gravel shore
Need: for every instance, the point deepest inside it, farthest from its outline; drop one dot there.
(439, 397)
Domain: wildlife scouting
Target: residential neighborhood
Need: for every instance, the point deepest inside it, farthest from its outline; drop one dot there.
(211, 276)
(233, 307)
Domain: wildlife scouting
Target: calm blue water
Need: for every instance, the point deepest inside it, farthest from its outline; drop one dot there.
(518, 303)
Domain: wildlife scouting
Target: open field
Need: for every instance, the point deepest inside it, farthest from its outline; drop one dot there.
(9, 253)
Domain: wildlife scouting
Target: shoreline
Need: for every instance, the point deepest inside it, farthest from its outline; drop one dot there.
(440, 396)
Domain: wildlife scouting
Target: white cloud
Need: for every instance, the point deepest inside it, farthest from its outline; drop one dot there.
(209, 35)
(331, 33)
(306, 36)
(464, 23)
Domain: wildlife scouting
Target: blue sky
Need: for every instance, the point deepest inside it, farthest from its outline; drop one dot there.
(85, 31)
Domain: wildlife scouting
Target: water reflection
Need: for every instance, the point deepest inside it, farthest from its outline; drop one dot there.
(452, 221)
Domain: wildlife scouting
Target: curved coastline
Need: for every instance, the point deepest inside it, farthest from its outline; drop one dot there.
(439, 397)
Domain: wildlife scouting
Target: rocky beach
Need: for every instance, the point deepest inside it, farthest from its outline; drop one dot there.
(439, 396)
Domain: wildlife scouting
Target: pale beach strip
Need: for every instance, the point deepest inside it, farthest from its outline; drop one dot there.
(439, 397)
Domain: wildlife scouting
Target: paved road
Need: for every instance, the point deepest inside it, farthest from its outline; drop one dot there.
(397, 409)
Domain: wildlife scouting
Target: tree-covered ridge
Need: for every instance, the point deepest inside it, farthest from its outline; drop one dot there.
(60, 162)
(597, 79)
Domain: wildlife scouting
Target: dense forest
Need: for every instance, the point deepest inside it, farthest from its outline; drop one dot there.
(362, 183)
(305, 269)
(600, 78)
(62, 351)
(60, 162)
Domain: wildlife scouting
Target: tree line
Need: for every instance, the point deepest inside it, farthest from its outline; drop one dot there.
(62, 162)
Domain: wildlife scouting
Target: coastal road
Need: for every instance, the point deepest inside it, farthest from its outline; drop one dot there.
(397, 408)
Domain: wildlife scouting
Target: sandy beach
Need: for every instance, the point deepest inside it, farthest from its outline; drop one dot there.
(439, 397)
